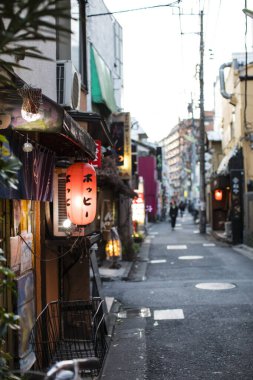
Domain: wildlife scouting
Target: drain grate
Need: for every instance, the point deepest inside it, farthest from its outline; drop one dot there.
(142, 312)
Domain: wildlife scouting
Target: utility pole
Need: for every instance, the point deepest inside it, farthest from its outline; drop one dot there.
(193, 159)
(202, 187)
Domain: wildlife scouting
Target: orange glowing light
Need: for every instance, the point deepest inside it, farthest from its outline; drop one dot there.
(81, 193)
(218, 195)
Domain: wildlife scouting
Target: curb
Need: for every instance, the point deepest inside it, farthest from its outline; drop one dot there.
(108, 274)
(220, 237)
(245, 250)
(139, 266)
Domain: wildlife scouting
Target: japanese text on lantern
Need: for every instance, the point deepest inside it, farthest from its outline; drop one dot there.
(81, 193)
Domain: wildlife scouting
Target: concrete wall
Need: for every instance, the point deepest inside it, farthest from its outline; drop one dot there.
(234, 129)
(42, 73)
(248, 219)
(100, 32)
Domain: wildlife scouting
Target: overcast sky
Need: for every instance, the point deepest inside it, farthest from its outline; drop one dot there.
(161, 53)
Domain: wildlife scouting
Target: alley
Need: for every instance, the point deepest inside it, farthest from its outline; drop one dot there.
(191, 316)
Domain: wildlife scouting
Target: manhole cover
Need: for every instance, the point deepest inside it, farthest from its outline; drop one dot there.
(143, 312)
(190, 257)
(215, 286)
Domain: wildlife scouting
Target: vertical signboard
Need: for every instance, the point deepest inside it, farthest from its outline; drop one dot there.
(237, 180)
(159, 162)
(138, 209)
(121, 134)
(117, 133)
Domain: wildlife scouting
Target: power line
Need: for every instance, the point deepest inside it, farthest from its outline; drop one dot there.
(136, 9)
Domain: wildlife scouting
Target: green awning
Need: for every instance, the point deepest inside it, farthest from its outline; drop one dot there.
(101, 82)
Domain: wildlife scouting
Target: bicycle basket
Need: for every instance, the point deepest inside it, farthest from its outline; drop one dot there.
(68, 330)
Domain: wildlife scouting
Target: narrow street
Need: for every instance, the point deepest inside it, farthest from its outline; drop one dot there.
(189, 316)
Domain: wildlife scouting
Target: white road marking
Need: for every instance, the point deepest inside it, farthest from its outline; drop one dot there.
(158, 261)
(190, 257)
(109, 301)
(168, 314)
(215, 285)
(196, 232)
(177, 246)
(209, 245)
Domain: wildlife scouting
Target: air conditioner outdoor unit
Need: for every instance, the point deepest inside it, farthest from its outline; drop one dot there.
(59, 205)
(68, 85)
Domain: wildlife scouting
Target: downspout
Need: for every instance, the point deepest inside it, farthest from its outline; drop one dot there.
(222, 81)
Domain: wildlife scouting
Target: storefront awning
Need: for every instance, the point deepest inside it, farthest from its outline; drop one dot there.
(115, 183)
(56, 129)
(101, 82)
(224, 164)
(97, 126)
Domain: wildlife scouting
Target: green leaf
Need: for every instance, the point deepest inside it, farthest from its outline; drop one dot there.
(3, 139)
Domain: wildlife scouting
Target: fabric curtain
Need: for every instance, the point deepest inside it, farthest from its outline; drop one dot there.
(35, 178)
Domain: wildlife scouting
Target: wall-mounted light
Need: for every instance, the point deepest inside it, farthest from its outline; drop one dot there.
(66, 224)
(218, 195)
(32, 100)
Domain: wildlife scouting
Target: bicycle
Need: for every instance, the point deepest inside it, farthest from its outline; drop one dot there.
(70, 369)
(64, 370)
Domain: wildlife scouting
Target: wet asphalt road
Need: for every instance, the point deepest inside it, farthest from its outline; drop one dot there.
(167, 328)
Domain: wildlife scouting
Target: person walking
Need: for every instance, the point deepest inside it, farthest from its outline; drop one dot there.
(173, 214)
(181, 207)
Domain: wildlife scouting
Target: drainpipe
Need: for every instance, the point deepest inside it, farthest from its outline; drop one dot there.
(222, 80)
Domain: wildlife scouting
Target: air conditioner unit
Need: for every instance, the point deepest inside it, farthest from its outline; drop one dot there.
(68, 85)
(59, 205)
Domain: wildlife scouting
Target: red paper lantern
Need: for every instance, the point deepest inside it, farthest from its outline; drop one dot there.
(81, 193)
(218, 194)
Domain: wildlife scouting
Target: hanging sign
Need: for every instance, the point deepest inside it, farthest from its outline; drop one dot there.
(98, 160)
(121, 134)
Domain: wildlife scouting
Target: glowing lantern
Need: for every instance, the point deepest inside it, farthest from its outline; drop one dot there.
(81, 193)
(218, 195)
(113, 248)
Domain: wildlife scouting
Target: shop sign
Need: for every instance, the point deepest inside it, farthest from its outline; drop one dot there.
(121, 135)
(138, 208)
(98, 160)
